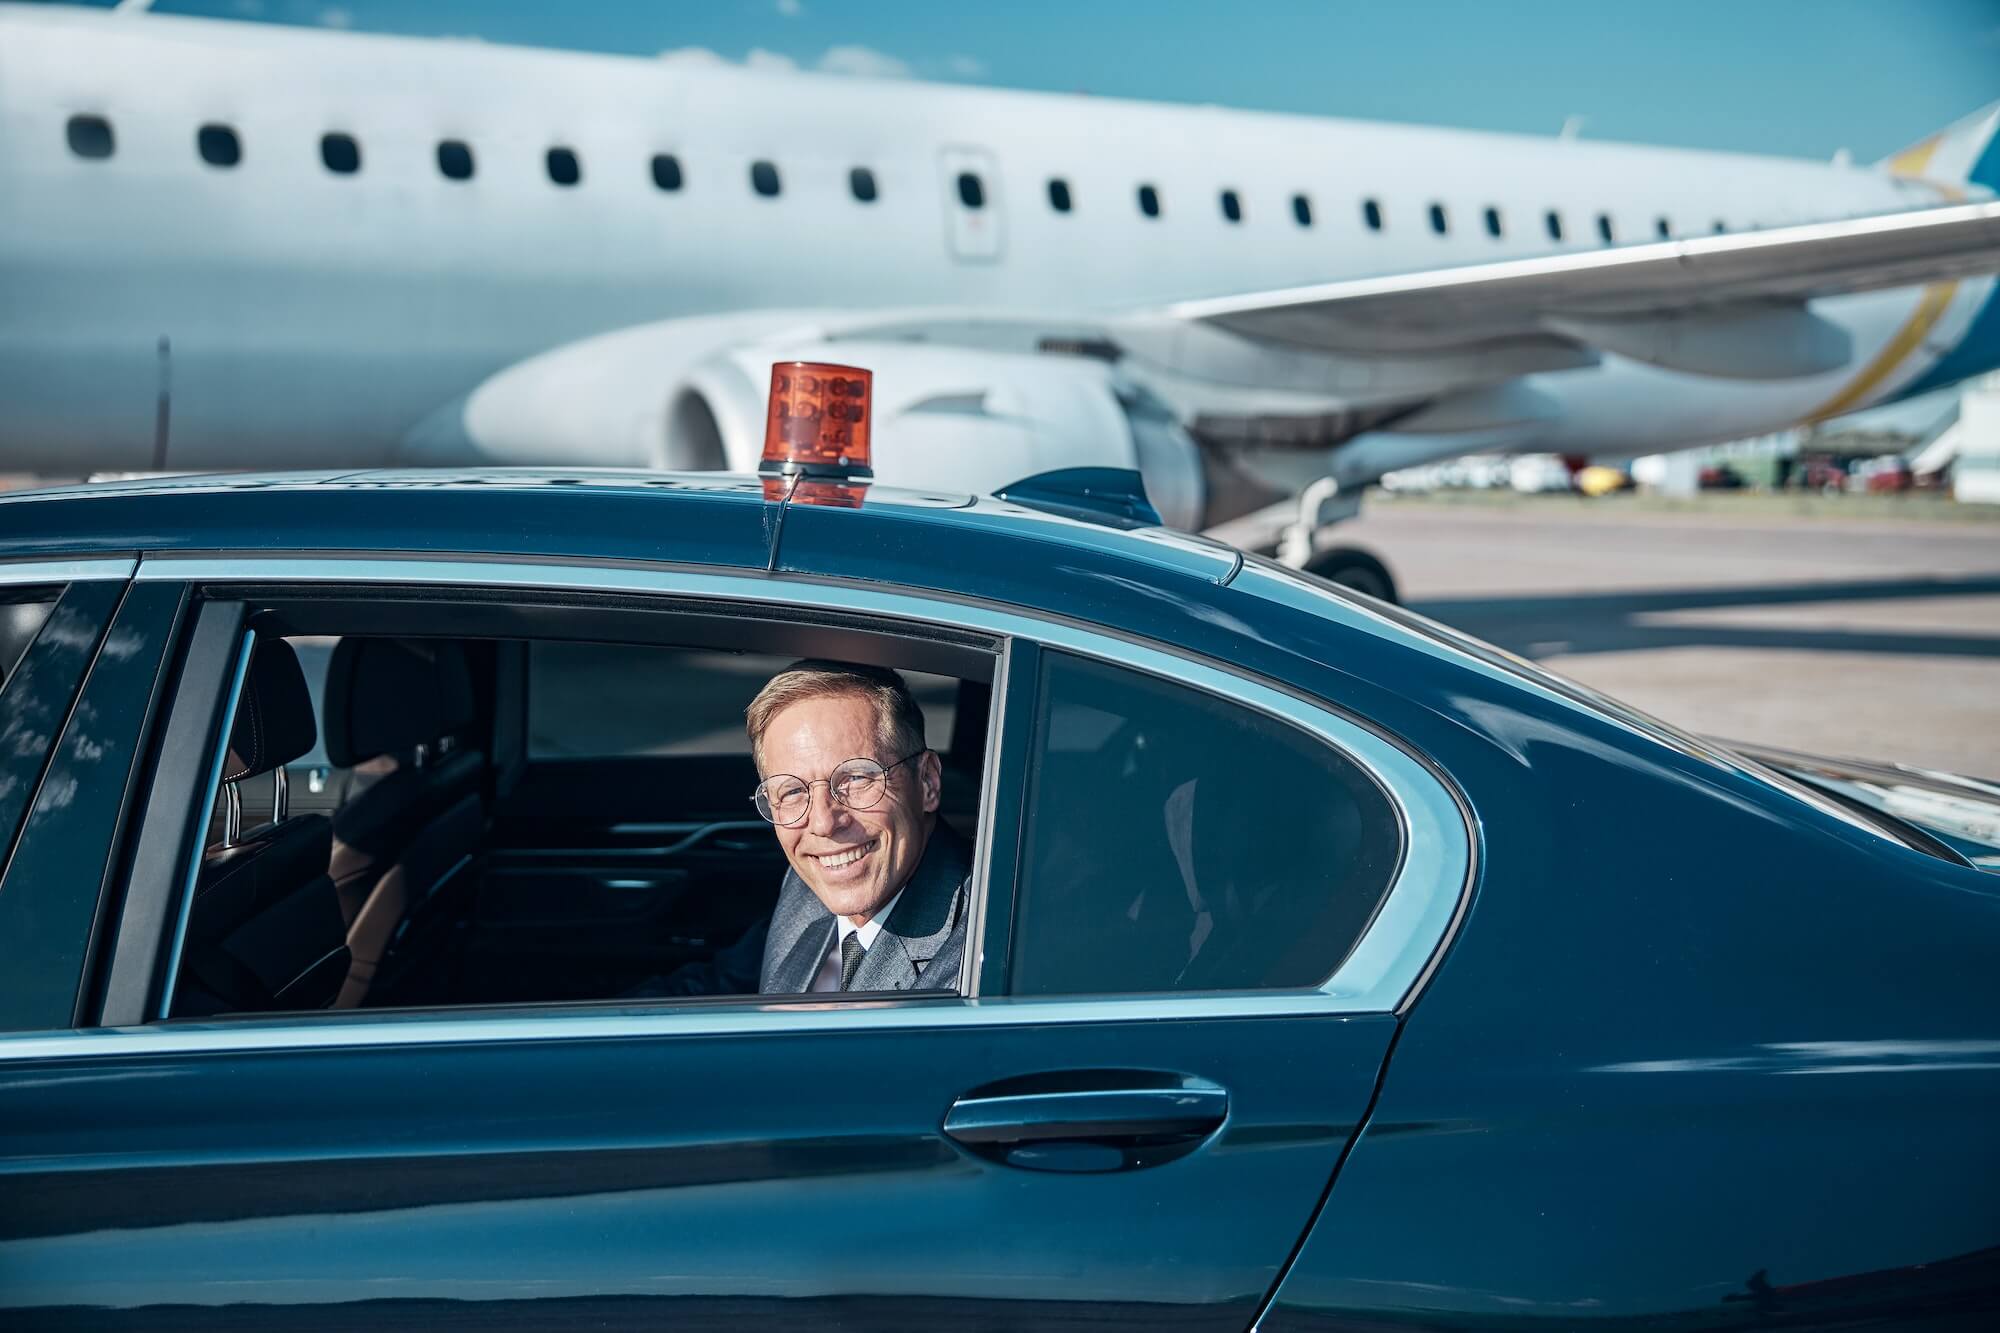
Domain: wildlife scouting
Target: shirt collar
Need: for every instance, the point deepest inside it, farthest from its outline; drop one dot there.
(869, 931)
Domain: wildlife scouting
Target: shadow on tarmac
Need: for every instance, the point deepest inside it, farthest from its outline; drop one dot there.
(1609, 622)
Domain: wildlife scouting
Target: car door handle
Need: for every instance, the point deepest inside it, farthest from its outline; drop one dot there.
(1089, 1128)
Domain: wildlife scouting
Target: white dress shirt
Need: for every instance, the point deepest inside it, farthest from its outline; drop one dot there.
(828, 976)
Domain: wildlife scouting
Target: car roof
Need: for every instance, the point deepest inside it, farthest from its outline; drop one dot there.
(605, 513)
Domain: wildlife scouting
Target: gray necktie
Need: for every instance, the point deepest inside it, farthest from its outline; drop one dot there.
(851, 950)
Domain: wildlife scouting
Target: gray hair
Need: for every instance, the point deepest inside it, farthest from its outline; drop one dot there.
(899, 722)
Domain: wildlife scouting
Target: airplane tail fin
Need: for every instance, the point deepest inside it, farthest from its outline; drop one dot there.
(1965, 152)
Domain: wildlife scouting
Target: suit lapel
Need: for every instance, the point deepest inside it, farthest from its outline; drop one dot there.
(924, 917)
(794, 973)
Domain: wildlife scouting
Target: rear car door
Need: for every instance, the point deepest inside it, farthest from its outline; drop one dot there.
(1174, 1031)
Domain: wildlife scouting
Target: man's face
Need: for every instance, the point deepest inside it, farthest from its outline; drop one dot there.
(855, 861)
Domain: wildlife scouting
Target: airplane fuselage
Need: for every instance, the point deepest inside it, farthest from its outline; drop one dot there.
(165, 307)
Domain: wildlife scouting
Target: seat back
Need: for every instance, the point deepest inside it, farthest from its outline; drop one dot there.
(264, 930)
(396, 838)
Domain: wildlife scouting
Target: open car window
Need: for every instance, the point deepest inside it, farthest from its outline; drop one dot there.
(411, 819)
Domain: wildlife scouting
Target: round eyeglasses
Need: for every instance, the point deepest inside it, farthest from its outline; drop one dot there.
(857, 784)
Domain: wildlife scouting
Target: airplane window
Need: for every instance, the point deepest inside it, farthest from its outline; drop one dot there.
(1438, 223)
(1720, 227)
(1059, 195)
(564, 169)
(1660, 225)
(862, 181)
(1492, 222)
(971, 191)
(1555, 224)
(764, 179)
(1604, 227)
(340, 153)
(1302, 210)
(666, 171)
(219, 146)
(455, 160)
(1149, 201)
(1232, 207)
(90, 136)
(1371, 213)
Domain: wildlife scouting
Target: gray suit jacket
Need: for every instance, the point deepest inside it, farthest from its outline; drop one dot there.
(922, 944)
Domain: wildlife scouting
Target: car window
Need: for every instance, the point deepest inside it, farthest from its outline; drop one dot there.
(617, 854)
(603, 700)
(21, 616)
(1177, 841)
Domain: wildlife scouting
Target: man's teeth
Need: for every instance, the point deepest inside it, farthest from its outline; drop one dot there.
(846, 858)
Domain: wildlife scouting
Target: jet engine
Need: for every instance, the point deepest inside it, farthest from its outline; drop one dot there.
(946, 418)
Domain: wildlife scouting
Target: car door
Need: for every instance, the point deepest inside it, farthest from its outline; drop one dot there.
(1129, 1129)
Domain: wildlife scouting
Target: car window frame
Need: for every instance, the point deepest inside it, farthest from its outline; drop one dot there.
(1382, 974)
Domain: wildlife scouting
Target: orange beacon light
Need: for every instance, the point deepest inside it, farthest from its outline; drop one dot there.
(818, 422)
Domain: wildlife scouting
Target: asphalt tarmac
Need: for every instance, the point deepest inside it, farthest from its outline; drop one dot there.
(1871, 637)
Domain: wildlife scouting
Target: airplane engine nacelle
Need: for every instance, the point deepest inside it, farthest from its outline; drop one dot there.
(946, 418)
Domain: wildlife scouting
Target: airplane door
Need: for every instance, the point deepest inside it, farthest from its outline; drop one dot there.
(972, 212)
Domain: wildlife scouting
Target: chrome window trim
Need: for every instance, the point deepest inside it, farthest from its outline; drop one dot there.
(352, 1030)
(1380, 976)
(84, 570)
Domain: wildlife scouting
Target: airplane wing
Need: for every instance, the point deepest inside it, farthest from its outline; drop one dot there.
(1730, 305)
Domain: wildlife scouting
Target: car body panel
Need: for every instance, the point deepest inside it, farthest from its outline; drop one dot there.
(655, 1176)
(1703, 1049)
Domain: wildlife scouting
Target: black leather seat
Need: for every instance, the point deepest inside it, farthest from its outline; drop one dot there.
(397, 838)
(264, 931)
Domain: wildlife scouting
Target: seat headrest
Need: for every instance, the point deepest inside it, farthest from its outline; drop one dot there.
(274, 719)
(385, 696)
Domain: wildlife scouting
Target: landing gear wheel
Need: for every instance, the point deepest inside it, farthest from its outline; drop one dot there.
(1354, 568)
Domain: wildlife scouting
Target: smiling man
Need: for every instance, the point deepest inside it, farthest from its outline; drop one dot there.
(876, 896)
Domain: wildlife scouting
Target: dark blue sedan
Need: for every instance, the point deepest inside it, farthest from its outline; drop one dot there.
(1325, 969)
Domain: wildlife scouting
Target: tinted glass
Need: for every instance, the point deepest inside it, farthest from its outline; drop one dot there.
(1492, 222)
(764, 179)
(455, 160)
(598, 700)
(862, 182)
(219, 146)
(1232, 207)
(1149, 201)
(90, 136)
(666, 171)
(20, 621)
(1176, 841)
(1437, 219)
(1663, 229)
(1553, 220)
(1604, 227)
(340, 153)
(971, 190)
(58, 644)
(1302, 210)
(1371, 213)
(564, 169)
(67, 842)
(1059, 195)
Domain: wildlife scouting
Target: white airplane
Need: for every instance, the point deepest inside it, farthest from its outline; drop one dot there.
(230, 245)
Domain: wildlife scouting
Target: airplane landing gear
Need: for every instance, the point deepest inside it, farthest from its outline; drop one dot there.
(1352, 567)
(1321, 505)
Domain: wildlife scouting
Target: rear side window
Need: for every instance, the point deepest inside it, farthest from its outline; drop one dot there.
(1177, 841)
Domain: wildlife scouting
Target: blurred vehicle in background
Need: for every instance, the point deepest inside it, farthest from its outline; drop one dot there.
(1888, 473)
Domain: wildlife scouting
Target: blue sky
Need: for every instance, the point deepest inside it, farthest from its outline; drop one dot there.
(1798, 77)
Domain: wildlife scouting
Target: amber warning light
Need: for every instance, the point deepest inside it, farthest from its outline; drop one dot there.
(818, 424)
